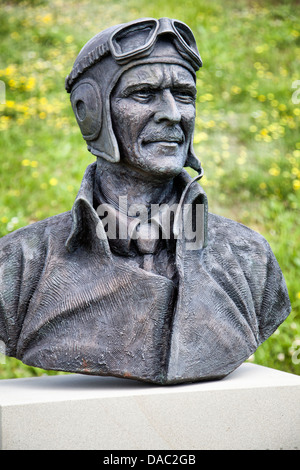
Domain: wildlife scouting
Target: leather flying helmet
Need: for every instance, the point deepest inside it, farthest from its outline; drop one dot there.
(106, 57)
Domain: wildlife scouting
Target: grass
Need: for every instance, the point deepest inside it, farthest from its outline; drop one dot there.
(247, 129)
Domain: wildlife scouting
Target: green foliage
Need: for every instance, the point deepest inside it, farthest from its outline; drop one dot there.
(247, 128)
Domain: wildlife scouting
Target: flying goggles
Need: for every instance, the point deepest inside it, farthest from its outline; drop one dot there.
(137, 39)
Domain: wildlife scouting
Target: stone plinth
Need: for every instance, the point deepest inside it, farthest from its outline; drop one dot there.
(253, 408)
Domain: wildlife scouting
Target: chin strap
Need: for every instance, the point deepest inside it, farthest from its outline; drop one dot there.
(177, 220)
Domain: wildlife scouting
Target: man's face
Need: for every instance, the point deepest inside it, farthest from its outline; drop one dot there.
(153, 114)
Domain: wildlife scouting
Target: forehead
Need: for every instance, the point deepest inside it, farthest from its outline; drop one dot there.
(158, 75)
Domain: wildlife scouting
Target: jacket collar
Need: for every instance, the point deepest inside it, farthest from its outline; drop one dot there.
(87, 228)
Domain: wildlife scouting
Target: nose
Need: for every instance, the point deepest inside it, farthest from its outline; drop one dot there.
(167, 109)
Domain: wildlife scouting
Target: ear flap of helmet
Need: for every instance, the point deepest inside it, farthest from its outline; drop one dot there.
(192, 161)
(87, 106)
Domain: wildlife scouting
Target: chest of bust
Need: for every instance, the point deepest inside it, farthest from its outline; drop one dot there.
(99, 319)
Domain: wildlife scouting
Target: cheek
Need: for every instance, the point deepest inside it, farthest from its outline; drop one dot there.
(128, 120)
(119, 118)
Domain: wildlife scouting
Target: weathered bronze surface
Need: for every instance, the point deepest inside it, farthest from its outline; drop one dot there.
(138, 280)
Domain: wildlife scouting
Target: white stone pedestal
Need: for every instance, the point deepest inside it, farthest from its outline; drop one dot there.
(253, 408)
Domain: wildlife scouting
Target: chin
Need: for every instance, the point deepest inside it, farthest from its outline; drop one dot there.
(166, 170)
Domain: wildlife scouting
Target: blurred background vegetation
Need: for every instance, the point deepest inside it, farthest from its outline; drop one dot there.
(247, 129)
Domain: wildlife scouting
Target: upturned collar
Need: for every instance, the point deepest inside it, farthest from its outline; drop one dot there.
(87, 228)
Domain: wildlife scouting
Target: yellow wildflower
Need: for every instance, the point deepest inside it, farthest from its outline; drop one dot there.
(262, 185)
(296, 185)
(30, 84)
(47, 19)
(282, 107)
(4, 123)
(291, 159)
(200, 136)
(25, 162)
(236, 89)
(206, 97)
(15, 35)
(10, 70)
(53, 182)
(12, 83)
(10, 104)
(274, 171)
(259, 49)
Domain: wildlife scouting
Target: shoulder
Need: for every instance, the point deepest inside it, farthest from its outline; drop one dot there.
(237, 253)
(37, 233)
(233, 247)
(226, 233)
(220, 226)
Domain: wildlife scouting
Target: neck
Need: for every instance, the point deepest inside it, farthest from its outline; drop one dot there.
(117, 180)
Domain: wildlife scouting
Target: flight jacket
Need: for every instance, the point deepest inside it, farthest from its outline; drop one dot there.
(68, 302)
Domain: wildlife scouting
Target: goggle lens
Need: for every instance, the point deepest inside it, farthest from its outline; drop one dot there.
(187, 40)
(133, 38)
(185, 34)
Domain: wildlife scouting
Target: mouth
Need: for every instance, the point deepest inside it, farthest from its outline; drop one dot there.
(171, 141)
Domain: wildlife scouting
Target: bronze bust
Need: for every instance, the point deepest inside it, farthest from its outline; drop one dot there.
(138, 280)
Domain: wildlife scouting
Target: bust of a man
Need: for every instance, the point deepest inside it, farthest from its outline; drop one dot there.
(138, 280)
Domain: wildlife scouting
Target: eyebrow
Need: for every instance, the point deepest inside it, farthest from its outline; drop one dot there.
(139, 86)
(157, 86)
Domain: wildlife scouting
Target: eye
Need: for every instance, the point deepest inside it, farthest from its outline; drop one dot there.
(143, 96)
(185, 97)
